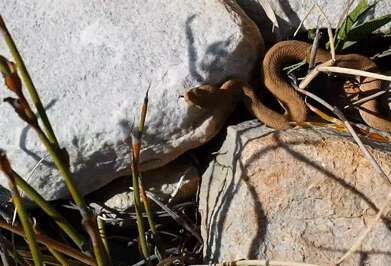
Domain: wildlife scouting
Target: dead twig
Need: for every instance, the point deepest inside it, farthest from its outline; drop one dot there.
(302, 21)
(329, 30)
(314, 48)
(354, 72)
(365, 99)
(261, 263)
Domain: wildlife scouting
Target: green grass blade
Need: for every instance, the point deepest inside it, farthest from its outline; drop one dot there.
(102, 231)
(384, 53)
(347, 44)
(360, 9)
(358, 32)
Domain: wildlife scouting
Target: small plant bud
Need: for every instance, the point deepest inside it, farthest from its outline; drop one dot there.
(13, 83)
(12, 80)
(22, 108)
(4, 163)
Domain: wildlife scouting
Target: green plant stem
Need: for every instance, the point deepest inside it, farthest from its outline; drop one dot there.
(102, 232)
(151, 222)
(50, 141)
(89, 220)
(137, 203)
(61, 259)
(23, 216)
(51, 212)
(99, 250)
(143, 195)
(64, 170)
(28, 82)
(135, 153)
(138, 188)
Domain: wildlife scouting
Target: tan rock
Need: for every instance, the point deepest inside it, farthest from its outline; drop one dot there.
(173, 183)
(295, 195)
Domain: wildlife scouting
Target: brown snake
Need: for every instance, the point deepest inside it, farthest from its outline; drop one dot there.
(279, 56)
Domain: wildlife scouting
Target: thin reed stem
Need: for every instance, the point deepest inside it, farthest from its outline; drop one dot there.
(23, 216)
(88, 218)
(136, 197)
(61, 259)
(102, 231)
(51, 212)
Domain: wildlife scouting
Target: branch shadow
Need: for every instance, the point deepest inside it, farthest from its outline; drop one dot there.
(293, 19)
(217, 219)
(23, 141)
(212, 62)
(217, 59)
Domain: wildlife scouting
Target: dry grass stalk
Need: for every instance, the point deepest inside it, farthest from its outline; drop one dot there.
(302, 21)
(329, 30)
(51, 243)
(354, 72)
(365, 99)
(261, 263)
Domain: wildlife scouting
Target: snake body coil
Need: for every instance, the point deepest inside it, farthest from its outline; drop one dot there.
(287, 52)
(279, 56)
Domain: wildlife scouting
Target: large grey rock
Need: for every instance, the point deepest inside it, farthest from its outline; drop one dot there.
(92, 63)
(297, 195)
(290, 13)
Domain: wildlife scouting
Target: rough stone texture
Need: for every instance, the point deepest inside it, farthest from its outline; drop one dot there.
(296, 195)
(173, 183)
(290, 13)
(92, 63)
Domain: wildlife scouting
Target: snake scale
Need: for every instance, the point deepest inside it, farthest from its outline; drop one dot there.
(279, 56)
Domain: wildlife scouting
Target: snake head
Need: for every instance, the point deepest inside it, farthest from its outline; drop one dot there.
(201, 96)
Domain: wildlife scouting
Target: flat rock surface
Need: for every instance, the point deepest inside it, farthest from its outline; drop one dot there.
(297, 195)
(93, 62)
(290, 13)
